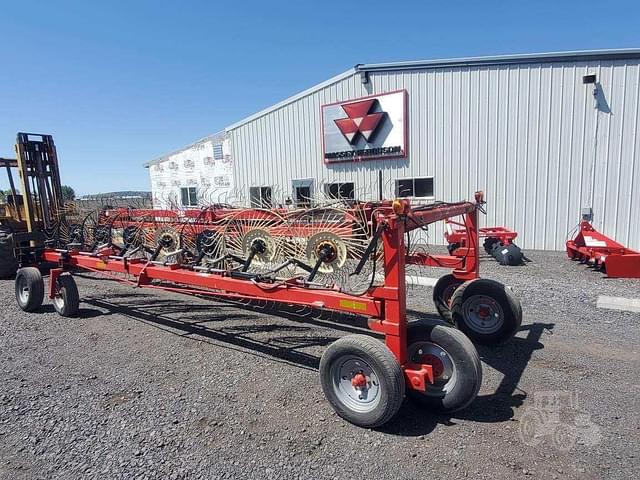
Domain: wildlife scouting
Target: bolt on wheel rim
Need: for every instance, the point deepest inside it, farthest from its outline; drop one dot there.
(355, 383)
(483, 314)
(23, 290)
(444, 370)
(58, 301)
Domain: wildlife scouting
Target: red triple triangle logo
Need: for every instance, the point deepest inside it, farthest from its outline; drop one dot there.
(360, 120)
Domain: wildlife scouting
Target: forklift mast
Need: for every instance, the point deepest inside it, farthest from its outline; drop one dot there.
(41, 190)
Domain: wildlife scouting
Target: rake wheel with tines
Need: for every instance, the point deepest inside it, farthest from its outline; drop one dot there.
(253, 239)
(332, 241)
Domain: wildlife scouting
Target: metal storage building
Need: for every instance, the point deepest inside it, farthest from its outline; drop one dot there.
(546, 136)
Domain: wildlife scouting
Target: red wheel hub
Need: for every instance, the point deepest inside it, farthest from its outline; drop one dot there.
(359, 380)
(435, 362)
(484, 312)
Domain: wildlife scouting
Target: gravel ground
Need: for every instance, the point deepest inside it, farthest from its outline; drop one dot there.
(148, 384)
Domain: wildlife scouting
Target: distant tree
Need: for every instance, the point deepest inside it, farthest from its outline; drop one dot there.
(5, 194)
(68, 193)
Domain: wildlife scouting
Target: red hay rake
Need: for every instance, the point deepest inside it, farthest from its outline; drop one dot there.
(323, 257)
(604, 254)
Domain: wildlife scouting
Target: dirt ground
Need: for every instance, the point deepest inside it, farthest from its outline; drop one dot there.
(148, 384)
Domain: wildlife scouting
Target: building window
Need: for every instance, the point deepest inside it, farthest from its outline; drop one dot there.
(189, 196)
(217, 151)
(340, 190)
(415, 187)
(260, 197)
(302, 192)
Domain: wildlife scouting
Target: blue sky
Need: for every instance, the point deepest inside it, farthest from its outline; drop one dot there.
(118, 83)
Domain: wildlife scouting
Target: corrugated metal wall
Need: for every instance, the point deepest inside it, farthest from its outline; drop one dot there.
(528, 135)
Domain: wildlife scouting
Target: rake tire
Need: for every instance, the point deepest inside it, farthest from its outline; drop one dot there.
(67, 299)
(385, 387)
(29, 288)
(461, 388)
(442, 292)
(487, 311)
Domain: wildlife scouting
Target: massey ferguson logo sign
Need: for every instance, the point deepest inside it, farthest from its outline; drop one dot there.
(361, 119)
(367, 128)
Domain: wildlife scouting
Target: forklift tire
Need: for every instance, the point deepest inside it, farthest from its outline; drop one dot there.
(455, 361)
(8, 261)
(442, 293)
(486, 311)
(362, 380)
(67, 299)
(29, 289)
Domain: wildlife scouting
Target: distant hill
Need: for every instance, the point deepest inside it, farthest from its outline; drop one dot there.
(123, 194)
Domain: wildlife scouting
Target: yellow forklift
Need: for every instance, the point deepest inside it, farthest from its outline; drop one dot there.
(25, 216)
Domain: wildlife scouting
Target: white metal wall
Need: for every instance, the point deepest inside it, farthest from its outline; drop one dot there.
(525, 134)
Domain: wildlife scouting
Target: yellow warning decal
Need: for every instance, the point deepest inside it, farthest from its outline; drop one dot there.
(101, 265)
(353, 305)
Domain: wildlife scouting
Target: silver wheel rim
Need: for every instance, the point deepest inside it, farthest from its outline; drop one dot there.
(359, 399)
(483, 314)
(444, 370)
(23, 290)
(58, 301)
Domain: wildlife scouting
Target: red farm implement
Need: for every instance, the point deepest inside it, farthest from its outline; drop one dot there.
(498, 242)
(599, 251)
(310, 257)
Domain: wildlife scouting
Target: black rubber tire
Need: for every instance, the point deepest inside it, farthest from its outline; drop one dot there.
(442, 293)
(67, 299)
(386, 367)
(8, 261)
(499, 293)
(452, 247)
(488, 244)
(29, 288)
(464, 356)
